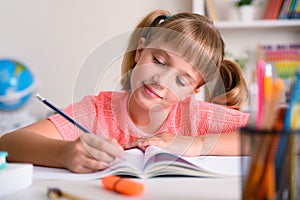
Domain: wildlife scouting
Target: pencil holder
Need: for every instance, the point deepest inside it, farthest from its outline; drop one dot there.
(270, 164)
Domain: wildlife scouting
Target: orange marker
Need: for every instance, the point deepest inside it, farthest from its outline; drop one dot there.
(122, 185)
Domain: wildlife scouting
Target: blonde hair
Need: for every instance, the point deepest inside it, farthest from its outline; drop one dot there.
(195, 36)
(196, 39)
(231, 87)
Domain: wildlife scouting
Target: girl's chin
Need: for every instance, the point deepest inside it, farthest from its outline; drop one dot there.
(147, 103)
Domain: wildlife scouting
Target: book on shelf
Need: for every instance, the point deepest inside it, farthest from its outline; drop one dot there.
(282, 9)
(154, 162)
(273, 9)
(295, 10)
(277, 7)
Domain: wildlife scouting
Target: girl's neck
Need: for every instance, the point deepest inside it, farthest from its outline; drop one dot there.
(149, 121)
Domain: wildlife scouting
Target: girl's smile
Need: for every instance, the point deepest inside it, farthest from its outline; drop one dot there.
(150, 92)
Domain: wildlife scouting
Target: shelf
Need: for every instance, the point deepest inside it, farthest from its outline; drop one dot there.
(295, 23)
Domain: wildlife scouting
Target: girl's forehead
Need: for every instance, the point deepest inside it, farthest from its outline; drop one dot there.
(192, 52)
(170, 48)
(170, 51)
(164, 46)
(174, 48)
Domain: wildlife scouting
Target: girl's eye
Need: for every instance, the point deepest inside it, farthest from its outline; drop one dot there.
(180, 81)
(157, 61)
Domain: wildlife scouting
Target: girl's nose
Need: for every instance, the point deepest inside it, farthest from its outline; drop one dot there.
(157, 80)
(164, 78)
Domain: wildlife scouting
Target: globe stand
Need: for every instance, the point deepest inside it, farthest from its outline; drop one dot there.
(17, 85)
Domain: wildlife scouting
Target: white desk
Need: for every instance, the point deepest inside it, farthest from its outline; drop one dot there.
(156, 188)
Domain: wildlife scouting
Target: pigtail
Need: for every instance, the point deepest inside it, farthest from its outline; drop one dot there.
(153, 19)
(231, 88)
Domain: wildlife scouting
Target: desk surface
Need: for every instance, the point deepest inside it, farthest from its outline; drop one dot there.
(156, 188)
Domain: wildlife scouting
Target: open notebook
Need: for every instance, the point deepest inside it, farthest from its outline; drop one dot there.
(152, 163)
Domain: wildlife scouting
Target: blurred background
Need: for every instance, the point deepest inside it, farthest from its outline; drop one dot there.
(53, 40)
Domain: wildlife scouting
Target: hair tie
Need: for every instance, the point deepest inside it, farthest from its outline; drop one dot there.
(159, 20)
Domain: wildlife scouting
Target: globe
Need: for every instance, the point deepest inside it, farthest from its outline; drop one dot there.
(16, 84)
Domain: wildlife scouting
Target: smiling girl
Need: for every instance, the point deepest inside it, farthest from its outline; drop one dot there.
(167, 61)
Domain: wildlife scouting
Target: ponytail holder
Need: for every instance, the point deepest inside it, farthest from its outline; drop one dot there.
(160, 19)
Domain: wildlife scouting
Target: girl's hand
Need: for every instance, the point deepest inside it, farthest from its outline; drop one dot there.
(162, 140)
(90, 153)
(180, 145)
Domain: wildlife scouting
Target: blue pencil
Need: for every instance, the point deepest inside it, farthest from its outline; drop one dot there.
(39, 97)
(284, 141)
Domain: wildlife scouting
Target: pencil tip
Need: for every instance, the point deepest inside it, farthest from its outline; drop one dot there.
(38, 96)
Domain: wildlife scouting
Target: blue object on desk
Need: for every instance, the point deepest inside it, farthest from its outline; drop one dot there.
(15, 177)
(3, 155)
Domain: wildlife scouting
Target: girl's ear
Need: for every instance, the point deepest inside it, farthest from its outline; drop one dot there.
(139, 49)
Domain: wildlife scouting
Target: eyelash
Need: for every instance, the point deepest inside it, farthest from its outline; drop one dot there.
(178, 80)
(157, 61)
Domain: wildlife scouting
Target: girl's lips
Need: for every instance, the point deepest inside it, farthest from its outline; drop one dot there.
(150, 92)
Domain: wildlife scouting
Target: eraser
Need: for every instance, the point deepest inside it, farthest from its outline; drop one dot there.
(121, 185)
(3, 155)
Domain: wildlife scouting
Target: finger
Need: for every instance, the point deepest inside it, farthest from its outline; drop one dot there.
(95, 165)
(153, 142)
(148, 142)
(115, 142)
(132, 144)
(100, 155)
(142, 146)
(89, 165)
(97, 144)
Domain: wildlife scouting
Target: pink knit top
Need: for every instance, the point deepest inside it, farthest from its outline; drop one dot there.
(106, 115)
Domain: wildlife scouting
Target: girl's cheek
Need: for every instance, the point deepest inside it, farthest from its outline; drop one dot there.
(180, 93)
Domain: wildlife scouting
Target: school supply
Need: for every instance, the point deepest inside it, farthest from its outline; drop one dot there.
(39, 97)
(260, 83)
(121, 185)
(15, 177)
(273, 140)
(56, 194)
(152, 163)
(285, 58)
(3, 155)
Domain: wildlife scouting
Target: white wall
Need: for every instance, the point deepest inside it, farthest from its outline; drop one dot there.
(54, 38)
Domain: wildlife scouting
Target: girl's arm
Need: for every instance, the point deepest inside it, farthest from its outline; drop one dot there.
(214, 144)
(41, 144)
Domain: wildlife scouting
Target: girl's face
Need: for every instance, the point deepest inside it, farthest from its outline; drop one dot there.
(161, 78)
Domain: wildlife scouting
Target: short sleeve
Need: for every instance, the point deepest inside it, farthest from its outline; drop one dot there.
(209, 118)
(83, 112)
